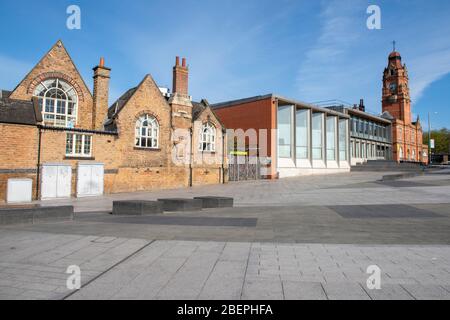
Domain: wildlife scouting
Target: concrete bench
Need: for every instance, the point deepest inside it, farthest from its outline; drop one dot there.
(180, 204)
(30, 214)
(216, 202)
(137, 207)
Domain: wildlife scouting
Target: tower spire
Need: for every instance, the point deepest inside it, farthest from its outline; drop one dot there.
(393, 44)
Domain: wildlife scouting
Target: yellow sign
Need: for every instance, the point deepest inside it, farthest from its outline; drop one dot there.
(239, 153)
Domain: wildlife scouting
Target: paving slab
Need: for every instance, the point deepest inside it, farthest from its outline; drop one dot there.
(390, 292)
(427, 292)
(345, 291)
(294, 290)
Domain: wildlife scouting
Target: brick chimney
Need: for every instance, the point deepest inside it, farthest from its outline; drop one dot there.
(362, 107)
(101, 92)
(180, 101)
(180, 77)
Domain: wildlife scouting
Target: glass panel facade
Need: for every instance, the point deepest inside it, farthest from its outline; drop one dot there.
(331, 138)
(302, 136)
(285, 131)
(343, 140)
(317, 136)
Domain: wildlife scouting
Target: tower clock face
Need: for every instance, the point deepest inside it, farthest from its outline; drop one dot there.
(393, 87)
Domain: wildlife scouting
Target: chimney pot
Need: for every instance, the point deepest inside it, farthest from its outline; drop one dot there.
(102, 62)
(177, 61)
(180, 78)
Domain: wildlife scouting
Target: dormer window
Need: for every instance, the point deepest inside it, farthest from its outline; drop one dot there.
(58, 102)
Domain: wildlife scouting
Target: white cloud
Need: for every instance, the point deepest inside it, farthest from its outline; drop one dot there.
(426, 69)
(326, 68)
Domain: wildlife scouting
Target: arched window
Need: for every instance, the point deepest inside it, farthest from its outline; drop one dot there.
(401, 153)
(58, 102)
(208, 138)
(147, 132)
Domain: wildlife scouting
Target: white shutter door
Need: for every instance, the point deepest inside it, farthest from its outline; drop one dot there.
(64, 182)
(49, 181)
(84, 180)
(90, 180)
(97, 180)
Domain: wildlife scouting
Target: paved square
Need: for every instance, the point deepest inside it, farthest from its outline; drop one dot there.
(116, 268)
(300, 238)
(383, 211)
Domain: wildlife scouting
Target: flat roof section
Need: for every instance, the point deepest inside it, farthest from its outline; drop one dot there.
(283, 100)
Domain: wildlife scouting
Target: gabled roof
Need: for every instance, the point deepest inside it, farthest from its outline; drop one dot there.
(121, 102)
(199, 107)
(19, 111)
(58, 44)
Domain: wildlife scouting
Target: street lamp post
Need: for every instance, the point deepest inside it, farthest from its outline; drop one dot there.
(429, 138)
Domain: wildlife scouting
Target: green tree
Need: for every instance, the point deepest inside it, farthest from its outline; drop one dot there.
(441, 138)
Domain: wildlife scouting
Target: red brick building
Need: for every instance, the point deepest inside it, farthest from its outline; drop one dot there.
(69, 142)
(407, 135)
(296, 138)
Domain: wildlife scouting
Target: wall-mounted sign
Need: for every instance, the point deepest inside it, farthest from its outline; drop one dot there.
(239, 153)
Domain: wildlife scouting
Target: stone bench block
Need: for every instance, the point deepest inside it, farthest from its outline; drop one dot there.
(34, 214)
(216, 202)
(180, 204)
(137, 207)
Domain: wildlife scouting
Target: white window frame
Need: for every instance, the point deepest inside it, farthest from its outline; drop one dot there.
(207, 140)
(41, 92)
(152, 132)
(83, 143)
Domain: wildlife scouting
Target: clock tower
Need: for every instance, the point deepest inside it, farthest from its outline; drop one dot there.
(396, 98)
(407, 144)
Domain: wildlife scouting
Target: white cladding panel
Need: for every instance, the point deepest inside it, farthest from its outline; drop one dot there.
(19, 190)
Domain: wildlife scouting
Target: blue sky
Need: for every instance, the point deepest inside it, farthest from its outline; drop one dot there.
(307, 50)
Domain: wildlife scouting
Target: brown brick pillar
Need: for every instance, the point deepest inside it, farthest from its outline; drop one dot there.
(101, 92)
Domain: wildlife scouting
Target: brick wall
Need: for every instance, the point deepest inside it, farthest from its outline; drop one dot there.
(18, 158)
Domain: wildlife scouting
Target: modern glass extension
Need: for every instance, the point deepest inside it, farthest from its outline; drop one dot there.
(370, 139)
(311, 139)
